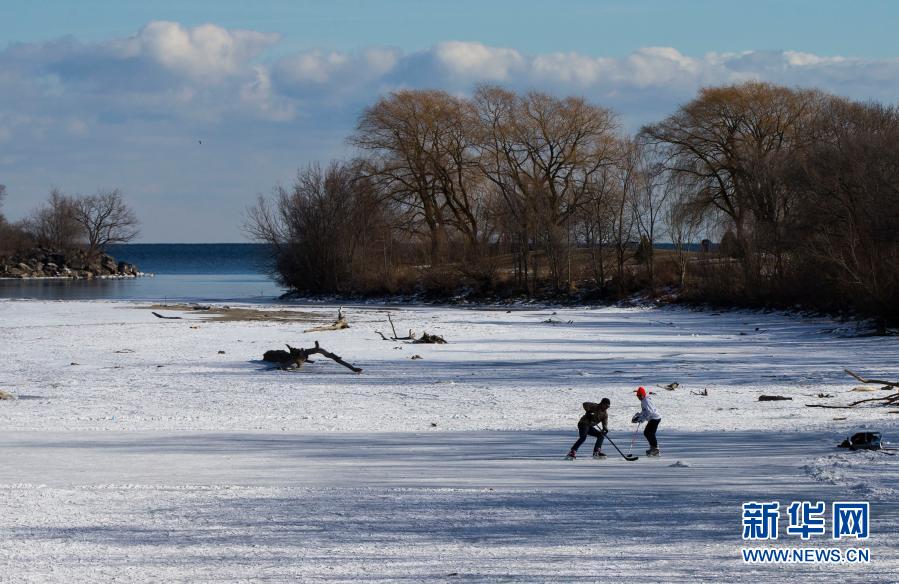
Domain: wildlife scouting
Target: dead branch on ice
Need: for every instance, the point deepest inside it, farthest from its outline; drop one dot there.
(424, 339)
(888, 400)
(427, 339)
(409, 337)
(294, 358)
(157, 315)
(339, 324)
(887, 384)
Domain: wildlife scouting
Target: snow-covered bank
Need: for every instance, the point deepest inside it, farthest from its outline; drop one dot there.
(105, 365)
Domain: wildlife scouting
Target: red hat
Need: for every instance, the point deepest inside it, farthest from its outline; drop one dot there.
(641, 392)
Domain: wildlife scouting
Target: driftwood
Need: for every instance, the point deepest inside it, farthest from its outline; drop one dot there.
(774, 398)
(427, 339)
(409, 337)
(424, 339)
(157, 315)
(339, 324)
(877, 381)
(294, 358)
(889, 400)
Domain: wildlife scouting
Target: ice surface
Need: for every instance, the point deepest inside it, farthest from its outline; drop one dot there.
(214, 468)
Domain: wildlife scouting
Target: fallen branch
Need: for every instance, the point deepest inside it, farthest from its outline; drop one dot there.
(410, 337)
(888, 400)
(877, 381)
(157, 315)
(426, 339)
(294, 358)
(339, 324)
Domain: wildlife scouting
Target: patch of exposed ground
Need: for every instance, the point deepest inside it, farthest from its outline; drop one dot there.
(234, 314)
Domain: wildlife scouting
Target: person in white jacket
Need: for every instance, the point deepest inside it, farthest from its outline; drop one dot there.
(649, 414)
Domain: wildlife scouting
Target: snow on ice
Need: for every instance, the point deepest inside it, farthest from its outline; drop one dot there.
(137, 451)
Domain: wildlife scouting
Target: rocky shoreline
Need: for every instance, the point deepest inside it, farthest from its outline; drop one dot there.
(76, 265)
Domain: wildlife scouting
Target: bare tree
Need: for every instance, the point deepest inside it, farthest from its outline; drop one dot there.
(322, 230)
(543, 155)
(848, 219)
(650, 195)
(104, 219)
(683, 223)
(401, 134)
(730, 142)
(53, 225)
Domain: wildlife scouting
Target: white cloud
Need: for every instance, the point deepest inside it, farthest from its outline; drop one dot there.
(208, 51)
(131, 110)
(477, 61)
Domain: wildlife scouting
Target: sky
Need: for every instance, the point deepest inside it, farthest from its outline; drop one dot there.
(193, 109)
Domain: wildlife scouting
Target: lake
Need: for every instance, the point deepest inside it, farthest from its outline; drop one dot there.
(224, 272)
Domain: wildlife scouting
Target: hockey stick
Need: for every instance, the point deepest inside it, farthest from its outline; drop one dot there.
(634, 439)
(630, 457)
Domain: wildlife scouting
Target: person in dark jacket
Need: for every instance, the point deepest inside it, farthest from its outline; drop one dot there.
(594, 414)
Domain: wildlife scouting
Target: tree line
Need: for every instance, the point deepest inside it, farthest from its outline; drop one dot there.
(67, 222)
(504, 193)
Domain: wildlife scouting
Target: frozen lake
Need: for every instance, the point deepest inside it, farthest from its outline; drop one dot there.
(137, 451)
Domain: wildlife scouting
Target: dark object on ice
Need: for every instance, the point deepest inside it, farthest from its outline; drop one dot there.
(428, 339)
(157, 315)
(294, 358)
(862, 441)
(773, 398)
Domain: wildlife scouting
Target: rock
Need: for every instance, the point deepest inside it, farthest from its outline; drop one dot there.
(71, 264)
(6, 395)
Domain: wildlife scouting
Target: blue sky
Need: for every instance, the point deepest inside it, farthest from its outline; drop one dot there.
(118, 94)
(825, 27)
